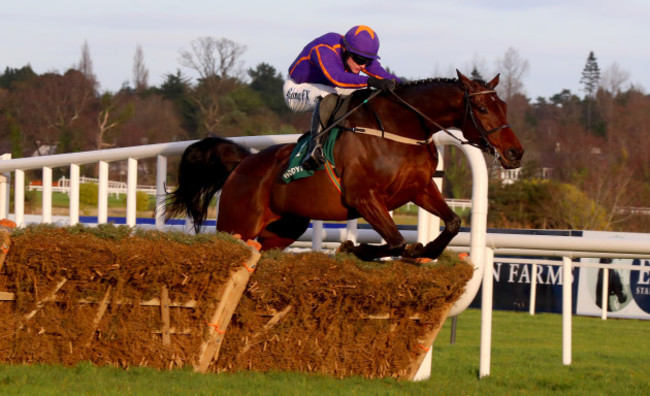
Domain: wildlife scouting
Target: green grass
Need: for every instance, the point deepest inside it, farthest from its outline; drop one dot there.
(609, 357)
(61, 200)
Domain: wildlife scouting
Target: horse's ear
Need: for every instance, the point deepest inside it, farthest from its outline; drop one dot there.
(466, 81)
(494, 82)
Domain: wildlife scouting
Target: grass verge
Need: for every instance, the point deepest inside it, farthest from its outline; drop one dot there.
(609, 357)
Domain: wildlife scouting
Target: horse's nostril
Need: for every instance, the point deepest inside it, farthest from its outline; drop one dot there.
(512, 154)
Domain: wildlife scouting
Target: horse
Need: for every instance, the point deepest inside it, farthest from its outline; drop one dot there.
(377, 172)
(614, 286)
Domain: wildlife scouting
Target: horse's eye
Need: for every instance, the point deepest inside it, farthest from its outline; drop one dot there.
(481, 109)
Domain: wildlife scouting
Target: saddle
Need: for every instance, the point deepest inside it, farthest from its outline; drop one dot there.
(332, 110)
(295, 171)
(335, 108)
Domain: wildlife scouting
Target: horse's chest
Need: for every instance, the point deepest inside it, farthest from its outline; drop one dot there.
(416, 170)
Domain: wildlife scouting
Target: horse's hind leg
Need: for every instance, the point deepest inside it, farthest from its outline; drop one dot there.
(432, 201)
(283, 232)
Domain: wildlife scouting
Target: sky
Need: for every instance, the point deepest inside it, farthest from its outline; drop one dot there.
(419, 38)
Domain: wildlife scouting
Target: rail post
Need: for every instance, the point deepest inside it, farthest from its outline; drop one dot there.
(5, 180)
(567, 299)
(486, 314)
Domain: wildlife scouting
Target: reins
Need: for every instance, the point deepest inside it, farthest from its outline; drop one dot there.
(469, 112)
(427, 118)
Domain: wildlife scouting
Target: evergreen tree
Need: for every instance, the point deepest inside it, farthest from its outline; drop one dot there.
(589, 80)
(12, 76)
(476, 75)
(590, 76)
(268, 83)
(177, 89)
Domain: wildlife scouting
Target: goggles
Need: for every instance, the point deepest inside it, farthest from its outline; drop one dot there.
(360, 60)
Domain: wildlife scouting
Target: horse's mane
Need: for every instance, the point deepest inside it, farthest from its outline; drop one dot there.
(435, 80)
(427, 81)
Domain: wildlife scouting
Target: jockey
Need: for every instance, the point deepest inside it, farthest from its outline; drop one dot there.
(331, 64)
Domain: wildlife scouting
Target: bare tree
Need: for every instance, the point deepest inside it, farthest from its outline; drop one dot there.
(611, 84)
(111, 116)
(154, 120)
(219, 66)
(53, 110)
(85, 65)
(512, 68)
(140, 71)
(212, 57)
(613, 78)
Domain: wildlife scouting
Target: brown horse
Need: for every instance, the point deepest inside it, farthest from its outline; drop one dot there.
(377, 173)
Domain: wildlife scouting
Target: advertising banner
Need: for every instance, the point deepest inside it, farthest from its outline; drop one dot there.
(628, 292)
(512, 285)
(512, 281)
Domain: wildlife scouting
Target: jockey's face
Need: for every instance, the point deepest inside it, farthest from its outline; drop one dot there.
(352, 65)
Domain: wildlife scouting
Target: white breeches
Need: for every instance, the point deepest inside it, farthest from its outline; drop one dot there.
(303, 97)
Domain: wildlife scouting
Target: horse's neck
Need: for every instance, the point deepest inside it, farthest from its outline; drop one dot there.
(442, 102)
(433, 107)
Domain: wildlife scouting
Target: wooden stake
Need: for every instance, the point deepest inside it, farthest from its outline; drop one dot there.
(164, 313)
(426, 344)
(5, 243)
(272, 322)
(103, 305)
(7, 296)
(48, 298)
(232, 292)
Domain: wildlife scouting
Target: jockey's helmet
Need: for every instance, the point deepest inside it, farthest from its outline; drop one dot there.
(363, 41)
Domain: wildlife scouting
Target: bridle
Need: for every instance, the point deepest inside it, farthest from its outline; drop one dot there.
(484, 143)
(483, 138)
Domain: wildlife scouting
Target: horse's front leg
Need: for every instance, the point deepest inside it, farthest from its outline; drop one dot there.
(431, 200)
(373, 209)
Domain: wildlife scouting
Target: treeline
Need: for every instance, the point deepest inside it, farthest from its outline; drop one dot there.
(595, 149)
(66, 112)
(594, 146)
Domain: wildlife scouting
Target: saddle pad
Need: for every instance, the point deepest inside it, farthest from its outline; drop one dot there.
(294, 170)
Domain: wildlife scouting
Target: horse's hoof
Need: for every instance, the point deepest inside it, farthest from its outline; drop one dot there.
(346, 247)
(413, 251)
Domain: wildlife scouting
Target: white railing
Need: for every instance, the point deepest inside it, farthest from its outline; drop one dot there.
(63, 185)
(509, 176)
(632, 210)
(101, 157)
(548, 246)
(461, 204)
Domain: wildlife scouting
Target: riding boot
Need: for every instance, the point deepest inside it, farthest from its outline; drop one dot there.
(315, 157)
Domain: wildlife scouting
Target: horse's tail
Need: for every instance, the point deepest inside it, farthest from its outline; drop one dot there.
(205, 166)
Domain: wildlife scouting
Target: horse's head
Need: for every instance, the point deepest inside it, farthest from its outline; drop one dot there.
(486, 126)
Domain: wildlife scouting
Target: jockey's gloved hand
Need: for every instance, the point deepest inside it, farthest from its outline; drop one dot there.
(381, 84)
